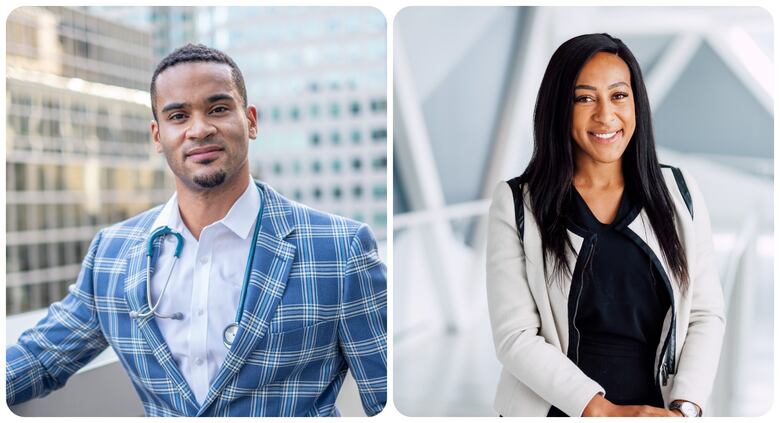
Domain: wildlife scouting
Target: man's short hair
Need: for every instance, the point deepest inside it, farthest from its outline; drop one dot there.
(197, 53)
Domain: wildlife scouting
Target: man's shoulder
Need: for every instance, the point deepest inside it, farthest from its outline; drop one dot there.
(307, 216)
(308, 220)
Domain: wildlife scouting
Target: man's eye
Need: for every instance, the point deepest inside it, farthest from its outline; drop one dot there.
(219, 109)
(176, 116)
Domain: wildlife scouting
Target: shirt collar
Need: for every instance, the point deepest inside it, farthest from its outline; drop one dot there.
(239, 219)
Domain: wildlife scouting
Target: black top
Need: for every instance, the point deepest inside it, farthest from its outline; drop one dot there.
(620, 302)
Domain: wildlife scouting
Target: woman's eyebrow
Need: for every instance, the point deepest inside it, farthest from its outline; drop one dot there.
(592, 88)
(617, 84)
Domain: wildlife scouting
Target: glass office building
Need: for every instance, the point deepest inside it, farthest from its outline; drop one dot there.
(318, 78)
(169, 26)
(78, 152)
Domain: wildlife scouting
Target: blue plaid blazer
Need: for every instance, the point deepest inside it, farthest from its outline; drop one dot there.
(316, 306)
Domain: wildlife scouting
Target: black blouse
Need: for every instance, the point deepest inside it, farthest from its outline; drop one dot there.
(620, 309)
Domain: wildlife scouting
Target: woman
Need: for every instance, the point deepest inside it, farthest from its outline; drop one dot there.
(604, 300)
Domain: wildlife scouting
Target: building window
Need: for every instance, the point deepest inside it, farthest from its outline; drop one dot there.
(103, 128)
(49, 124)
(378, 105)
(314, 138)
(380, 219)
(380, 192)
(379, 162)
(357, 191)
(337, 192)
(335, 138)
(316, 166)
(379, 135)
(20, 176)
(336, 165)
(314, 110)
(356, 163)
(355, 136)
(354, 108)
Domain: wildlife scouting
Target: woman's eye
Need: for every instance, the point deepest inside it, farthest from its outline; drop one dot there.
(620, 96)
(583, 99)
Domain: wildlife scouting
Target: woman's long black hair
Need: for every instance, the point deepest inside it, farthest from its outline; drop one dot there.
(550, 171)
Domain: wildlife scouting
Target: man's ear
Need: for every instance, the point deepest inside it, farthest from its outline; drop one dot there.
(251, 115)
(156, 136)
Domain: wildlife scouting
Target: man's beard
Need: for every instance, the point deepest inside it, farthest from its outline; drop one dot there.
(210, 180)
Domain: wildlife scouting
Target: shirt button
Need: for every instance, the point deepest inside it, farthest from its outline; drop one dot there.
(204, 259)
(200, 312)
(199, 362)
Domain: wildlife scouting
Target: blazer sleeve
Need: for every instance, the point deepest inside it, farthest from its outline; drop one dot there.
(698, 362)
(362, 327)
(46, 355)
(515, 319)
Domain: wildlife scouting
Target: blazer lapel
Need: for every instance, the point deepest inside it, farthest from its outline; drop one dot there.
(270, 268)
(135, 294)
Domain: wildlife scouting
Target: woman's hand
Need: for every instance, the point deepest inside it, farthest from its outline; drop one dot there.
(602, 407)
(643, 411)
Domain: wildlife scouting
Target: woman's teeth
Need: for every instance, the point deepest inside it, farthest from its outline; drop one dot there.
(606, 136)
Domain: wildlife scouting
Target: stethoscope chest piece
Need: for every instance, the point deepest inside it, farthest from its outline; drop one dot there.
(230, 334)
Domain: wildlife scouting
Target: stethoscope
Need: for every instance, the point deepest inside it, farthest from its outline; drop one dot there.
(229, 334)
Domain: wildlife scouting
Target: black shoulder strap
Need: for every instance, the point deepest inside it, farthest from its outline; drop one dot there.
(517, 194)
(683, 187)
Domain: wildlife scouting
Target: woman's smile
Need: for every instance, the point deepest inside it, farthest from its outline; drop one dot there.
(605, 137)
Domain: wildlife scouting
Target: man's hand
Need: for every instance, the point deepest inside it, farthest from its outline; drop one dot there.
(602, 407)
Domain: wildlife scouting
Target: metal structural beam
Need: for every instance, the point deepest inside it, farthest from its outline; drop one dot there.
(672, 63)
(747, 61)
(514, 129)
(513, 144)
(418, 173)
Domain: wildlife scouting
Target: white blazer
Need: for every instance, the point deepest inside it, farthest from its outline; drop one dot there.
(529, 317)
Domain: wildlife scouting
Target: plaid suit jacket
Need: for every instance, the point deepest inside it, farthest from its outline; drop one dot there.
(316, 306)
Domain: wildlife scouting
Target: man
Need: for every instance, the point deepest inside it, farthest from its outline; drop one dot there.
(306, 288)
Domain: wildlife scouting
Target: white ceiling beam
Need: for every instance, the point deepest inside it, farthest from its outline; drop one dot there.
(747, 61)
(673, 61)
(420, 178)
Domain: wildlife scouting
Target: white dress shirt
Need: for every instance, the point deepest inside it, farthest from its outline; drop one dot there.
(205, 286)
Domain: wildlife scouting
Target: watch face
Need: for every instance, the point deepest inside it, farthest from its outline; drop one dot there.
(689, 410)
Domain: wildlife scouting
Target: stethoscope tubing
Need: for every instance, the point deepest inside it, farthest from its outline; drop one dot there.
(164, 231)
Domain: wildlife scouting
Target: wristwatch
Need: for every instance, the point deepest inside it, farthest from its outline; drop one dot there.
(687, 408)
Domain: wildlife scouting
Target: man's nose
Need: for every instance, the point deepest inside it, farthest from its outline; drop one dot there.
(200, 128)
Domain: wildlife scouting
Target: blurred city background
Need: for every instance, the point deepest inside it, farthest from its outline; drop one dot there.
(78, 149)
(465, 83)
